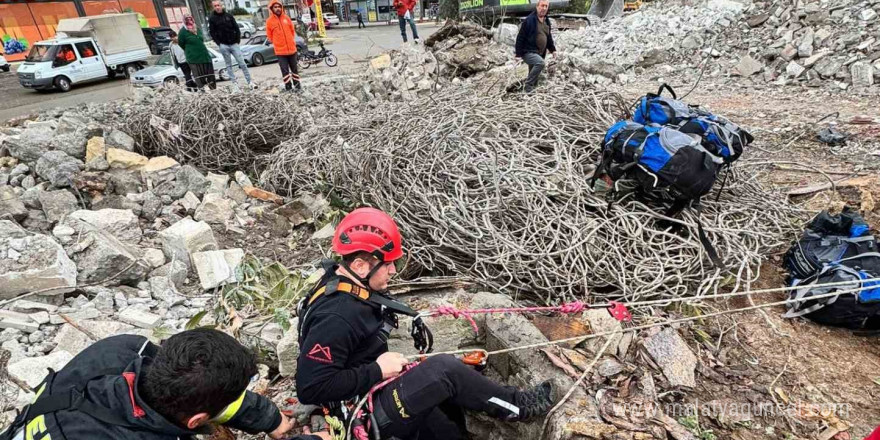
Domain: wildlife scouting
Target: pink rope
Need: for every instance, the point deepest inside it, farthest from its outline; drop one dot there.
(567, 308)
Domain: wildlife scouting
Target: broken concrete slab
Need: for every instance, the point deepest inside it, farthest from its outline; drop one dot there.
(163, 289)
(29, 307)
(748, 66)
(139, 318)
(287, 350)
(216, 268)
(242, 179)
(41, 264)
(324, 233)
(121, 223)
(185, 238)
(74, 341)
(57, 204)
(218, 183)
(175, 271)
(100, 256)
(32, 371)
(215, 208)
(673, 356)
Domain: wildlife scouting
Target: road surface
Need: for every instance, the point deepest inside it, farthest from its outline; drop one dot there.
(352, 46)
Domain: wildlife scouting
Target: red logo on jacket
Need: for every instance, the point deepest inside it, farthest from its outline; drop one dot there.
(320, 354)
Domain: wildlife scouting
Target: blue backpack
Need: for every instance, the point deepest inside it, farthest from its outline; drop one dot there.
(717, 134)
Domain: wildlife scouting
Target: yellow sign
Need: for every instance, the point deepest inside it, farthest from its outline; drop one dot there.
(322, 32)
(372, 16)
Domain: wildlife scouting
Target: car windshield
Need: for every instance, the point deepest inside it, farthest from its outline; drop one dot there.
(40, 53)
(165, 33)
(164, 60)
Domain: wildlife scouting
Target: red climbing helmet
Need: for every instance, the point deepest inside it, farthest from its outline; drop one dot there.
(368, 230)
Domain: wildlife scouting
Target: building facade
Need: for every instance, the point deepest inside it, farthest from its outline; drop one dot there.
(29, 21)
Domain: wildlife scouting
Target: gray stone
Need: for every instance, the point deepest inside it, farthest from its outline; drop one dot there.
(100, 256)
(28, 307)
(828, 67)
(115, 201)
(42, 264)
(190, 202)
(187, 179)
(155, 257)
(58, 168)
(788, 53)
(74, 341)
(287, 350)
(757, 20)
(28, 182)
(185, 238)
(673, 356)
(31, 143)
(18, 321)
(40, 317)
(36, 221)
(36, 337)
(19, 170)
(71, 122)
(151, 207)
(601, 321)
(867, 14)
(609, 367)
(794, 69)
(126, 182)
(215, 209)
(11, 204)
(811, 61)
(31, 196)
(216, 268)
(175, 271)
(74, 144)
(139, 318)
(218, 183)
(822, 36)
(121, 223)
(324, 233)
(103, 298)
(862, 74)
(602, 68)
(236, 192)
(98, 164)
(748, 66)
(57, 204)
(163, 290)
(32, 371)
(805, 48)
(119, 139)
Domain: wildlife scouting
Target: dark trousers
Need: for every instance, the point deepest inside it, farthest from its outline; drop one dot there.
(361, 23)
(412, 24)
(187, 75)
(289, 71)
(204, 74)
(428, 401)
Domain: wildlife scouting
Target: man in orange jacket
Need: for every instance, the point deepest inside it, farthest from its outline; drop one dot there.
(406, 13)
(282, 34)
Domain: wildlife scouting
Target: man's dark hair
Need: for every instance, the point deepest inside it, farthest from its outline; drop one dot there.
(172, 33)
(196, 371)
(363, 255)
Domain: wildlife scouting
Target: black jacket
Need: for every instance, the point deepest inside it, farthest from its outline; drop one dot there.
(224, 29)
(526, 39)
(341, 339)
(108, 373)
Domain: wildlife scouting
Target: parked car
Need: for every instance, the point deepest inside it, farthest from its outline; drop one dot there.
(158, 38)
(164, 72)
(332, 18)
(4, 65)
(313, 26)
(259, 50)
(247, 29)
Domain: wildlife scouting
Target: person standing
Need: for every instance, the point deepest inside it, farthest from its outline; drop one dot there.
(225, 32)
(533, 41)
(178, 58)
(360, 20)
(282, 34)
(406, 14)
(192, 41)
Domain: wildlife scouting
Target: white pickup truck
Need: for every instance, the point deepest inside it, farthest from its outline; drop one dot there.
(85, 49)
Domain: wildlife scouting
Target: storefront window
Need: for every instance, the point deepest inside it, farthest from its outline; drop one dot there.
(99, 7)
(144, 7)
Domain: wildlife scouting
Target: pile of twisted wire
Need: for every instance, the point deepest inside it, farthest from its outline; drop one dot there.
(498, 188)
(214, 131)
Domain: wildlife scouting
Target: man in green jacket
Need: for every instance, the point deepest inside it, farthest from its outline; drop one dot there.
(193, 43)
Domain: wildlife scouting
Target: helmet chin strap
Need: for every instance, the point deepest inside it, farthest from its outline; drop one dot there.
(366, 280)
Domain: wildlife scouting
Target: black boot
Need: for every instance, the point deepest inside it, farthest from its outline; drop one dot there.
(534, 402)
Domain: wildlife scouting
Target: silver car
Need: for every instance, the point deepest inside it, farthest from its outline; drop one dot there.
(164, 72)
(259, 50)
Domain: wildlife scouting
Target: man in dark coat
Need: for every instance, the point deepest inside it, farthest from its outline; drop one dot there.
(533, 42)
(226, 33)
(125, 387)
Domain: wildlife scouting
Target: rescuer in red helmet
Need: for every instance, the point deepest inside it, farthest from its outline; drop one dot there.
(344, 326)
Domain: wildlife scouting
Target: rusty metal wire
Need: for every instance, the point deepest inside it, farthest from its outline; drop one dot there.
(498, 187)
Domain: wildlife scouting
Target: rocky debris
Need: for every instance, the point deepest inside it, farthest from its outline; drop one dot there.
(748, 66)
(215, 207)
(123, 159)
(288, 350)
(164, 290)
(185, 238)
(120, 140)
(216, 268)
(674, 357)
(58, 168)
(57, 205)
(73, 341)
(11, 204)
(139, 318)
(32, 262)
(18, 321)
(186, 179)
(242, 179)
(324, 233)
(32, 371)
(30, 144)
(155, 257)
(862, 74)
(100, 256)
(95, 149)
(304, 209)
(121, 223)
(175, 271)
